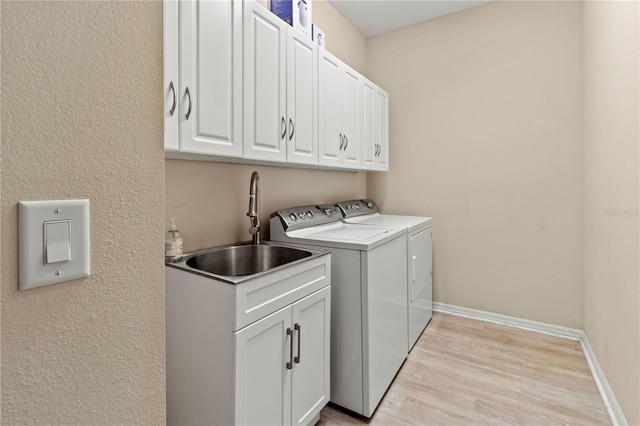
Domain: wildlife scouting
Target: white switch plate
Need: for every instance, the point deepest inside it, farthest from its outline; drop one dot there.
(34, 271)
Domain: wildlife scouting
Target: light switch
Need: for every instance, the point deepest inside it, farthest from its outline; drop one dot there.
(54, 243)
(57, 241)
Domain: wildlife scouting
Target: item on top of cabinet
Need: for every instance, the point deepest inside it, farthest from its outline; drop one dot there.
(317, 35)
(302, 19)
(296, 13)
(173, 242)
(283, 9)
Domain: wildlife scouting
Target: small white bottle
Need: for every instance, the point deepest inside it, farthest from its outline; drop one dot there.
(173, 243)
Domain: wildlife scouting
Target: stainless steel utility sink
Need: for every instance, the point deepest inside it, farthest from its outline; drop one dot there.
(239, 262)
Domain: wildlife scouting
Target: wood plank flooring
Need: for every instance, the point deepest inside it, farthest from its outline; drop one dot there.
(469, 372)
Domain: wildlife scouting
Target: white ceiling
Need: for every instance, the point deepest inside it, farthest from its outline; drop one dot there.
(376, 17)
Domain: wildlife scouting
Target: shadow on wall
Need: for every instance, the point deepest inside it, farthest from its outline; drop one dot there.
(212, 199)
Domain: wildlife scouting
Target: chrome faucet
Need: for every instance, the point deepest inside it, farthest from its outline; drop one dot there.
(254, 208)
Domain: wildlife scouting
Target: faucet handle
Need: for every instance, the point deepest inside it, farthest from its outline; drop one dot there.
(254, 230)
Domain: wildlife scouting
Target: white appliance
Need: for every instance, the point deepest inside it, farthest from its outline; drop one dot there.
(419, 259)
(368, 299)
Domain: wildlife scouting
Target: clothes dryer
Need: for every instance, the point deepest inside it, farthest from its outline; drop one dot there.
(419, 258)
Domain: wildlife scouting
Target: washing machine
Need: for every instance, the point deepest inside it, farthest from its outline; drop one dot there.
(368, 307)
(419, 258)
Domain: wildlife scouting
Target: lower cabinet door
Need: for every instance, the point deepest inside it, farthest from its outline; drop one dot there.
(310, 375)
(263, 381)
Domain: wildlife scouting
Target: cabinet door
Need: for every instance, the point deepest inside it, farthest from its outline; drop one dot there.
(265, 52)
(383, 129)
(302, 98)
(171, 58)
(351, 117)
(211, 77)
(330, 92)
(369, 121)
(263, 382)
(310, 378)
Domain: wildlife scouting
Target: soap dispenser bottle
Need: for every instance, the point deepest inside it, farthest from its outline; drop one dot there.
(173, 243)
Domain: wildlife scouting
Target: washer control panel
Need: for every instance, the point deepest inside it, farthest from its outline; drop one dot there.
(305, 216)
(353, 208)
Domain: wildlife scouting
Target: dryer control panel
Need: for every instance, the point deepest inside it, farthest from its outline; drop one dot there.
(354, 208)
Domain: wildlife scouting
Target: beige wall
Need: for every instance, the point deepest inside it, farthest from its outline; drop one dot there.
(342, 39)
(212, 199)
(485, 133)
(612, 182)
(81, 89)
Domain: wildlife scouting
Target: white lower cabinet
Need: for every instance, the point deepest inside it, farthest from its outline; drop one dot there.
(282, 367)
(254, 353)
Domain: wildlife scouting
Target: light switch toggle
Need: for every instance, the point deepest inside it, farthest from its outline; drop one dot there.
(57, 241)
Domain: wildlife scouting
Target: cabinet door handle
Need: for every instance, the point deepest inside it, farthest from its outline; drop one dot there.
(290, 334)
(298, 328)
(346, 142)
(341, 142)
(376, 154)
(283, 127)
(189, 110)
(292, 129)
(173, 106)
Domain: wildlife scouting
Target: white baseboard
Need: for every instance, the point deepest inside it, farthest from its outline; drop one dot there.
(608, 397)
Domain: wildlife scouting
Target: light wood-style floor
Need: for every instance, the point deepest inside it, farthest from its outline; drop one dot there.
(465, 371)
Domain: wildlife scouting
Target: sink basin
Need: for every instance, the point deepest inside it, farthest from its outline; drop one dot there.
(243, 260)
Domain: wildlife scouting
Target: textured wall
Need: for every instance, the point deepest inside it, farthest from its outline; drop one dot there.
(612, 182)
(212, 199)
(485, 134)
(81, 118)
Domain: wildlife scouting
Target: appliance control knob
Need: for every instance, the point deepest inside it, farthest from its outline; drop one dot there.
(369, 204)
(328, 212)
(293, 217)
(302, 215)
(309, 214)
(357, 206)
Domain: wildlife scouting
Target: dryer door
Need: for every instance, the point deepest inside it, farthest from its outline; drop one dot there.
(420, 284)
(420, 264)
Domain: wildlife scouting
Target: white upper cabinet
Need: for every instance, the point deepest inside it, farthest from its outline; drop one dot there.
(302, 99)
(280, 90)
(330, 92)
(369, 122)
(382, 105)
(265, 86)
(209, 103)
(339, 109)
(171, 63)
(375, 127)
(240, 82)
